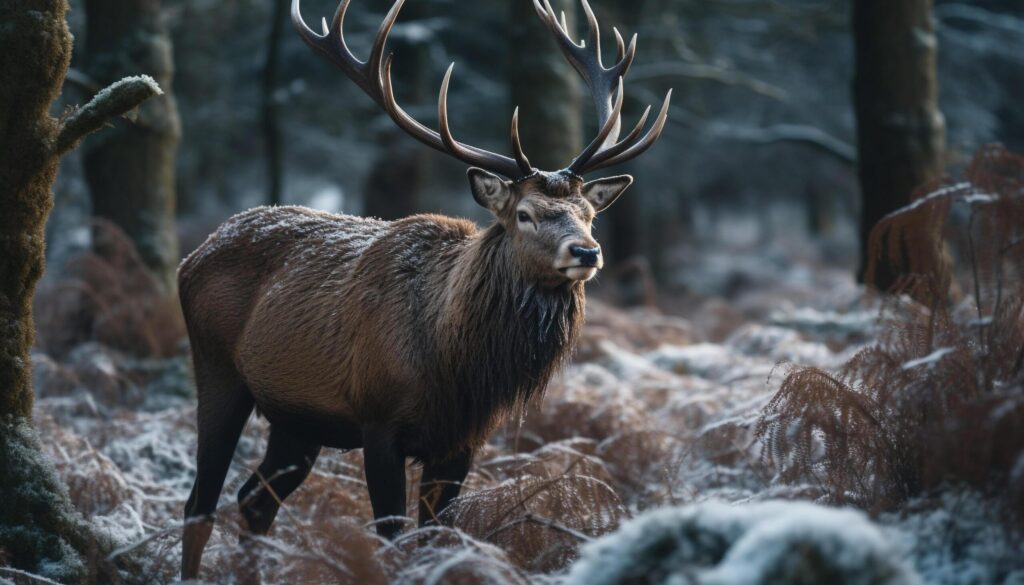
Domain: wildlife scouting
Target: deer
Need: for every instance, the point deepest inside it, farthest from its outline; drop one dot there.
(411, 338)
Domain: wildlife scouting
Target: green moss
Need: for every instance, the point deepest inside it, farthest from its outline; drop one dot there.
(36, 46)
(40, 530)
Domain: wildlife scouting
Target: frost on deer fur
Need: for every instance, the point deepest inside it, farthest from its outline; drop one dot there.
(720, 544)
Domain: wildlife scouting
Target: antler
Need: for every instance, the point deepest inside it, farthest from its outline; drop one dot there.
(373, 76)
(605, 150)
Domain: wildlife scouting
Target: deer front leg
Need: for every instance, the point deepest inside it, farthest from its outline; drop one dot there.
(441, 484)
(385, 479)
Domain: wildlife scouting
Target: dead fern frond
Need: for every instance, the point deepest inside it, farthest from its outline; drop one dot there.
(939, 396)
(539, 522)
(109, 296)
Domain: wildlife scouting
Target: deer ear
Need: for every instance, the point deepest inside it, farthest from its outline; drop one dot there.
(603, 192)
(489, 190)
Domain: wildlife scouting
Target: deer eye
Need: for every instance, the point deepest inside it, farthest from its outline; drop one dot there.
(524, 217)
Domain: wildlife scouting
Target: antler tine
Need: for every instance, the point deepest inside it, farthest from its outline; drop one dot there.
(442, 113)
(338, 21)
(602, 81)
(610, 123)
(471, 154)
(607, 159)
(593, 32)
(624, 143)
(622, 66)
(373, 63)
(332, 44)
(517, 146)
(606, 89)
(620, 46)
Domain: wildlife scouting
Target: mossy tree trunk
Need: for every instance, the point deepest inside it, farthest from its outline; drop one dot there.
(130, 169)
(900, 130)
(35, 49)
(39, 529)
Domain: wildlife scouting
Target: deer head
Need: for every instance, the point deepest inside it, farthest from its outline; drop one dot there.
(548, 215)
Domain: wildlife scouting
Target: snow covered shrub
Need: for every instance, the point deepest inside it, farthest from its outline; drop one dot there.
(940, 396)
(109, 296)
(764, 543)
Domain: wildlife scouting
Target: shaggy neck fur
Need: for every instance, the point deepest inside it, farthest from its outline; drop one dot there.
(502, 336)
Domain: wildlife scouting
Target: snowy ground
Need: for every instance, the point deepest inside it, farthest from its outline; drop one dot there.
(652, 415)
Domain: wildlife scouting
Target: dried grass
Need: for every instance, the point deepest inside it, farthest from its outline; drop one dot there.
(540, 522)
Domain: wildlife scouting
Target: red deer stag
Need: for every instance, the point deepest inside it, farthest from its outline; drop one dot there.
(409, 338)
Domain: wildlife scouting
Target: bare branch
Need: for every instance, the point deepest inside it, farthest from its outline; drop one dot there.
(1006, 22)
(809, 135)
(805, 134)
(710, 73)
(82, 80)
(115, 100)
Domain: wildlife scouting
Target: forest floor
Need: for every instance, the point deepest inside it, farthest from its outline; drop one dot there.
(655, 412)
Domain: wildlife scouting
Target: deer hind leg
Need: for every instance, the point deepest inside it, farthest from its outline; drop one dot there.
(285, 466)
(224, 408)
(441, 484)
(385, 480)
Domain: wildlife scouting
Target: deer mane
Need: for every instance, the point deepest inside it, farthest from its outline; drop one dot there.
(502, 337)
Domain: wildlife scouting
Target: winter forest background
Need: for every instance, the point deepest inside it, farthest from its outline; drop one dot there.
(741, 408)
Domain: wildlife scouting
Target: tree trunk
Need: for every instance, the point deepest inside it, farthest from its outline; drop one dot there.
(271, 106)
(900, 130)
(394, 187)
(33, 58)
(545, 88)
(130, 169)
(39, 529)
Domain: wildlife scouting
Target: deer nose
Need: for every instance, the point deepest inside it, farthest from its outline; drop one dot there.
(587, 256)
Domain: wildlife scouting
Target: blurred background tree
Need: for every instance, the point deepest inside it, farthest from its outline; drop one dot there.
(545, 88)
(900, 130)
(271, 102)
(130, 170)
(400, 170)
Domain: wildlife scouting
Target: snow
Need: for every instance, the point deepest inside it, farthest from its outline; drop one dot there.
(715, 543)
(146, 80)
(930, 359)
(330, 199)
(959, 540)
(825, 323)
